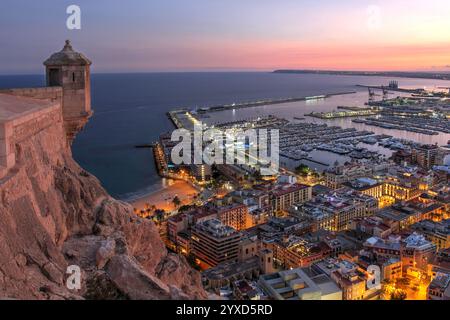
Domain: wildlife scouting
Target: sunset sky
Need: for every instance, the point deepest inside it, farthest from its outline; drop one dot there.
(229, 35)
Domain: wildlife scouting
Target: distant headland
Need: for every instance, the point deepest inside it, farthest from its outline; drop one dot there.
(396, 74)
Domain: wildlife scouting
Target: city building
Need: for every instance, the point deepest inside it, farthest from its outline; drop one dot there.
(243, 290)
(335, 211)
(368, 186)
(374, 226)
(426, 156)
(403, 215)
(284, 196)
(401, 189)
(224, 274)
(214, 243)
(202, 173)
(391, 269)
(439, 288)
(414, 251)
(436, 232)
(335, 177)
(248, 248)
(293, 251)
(349, 276)
(296, 284)
(439, 263)
(258, 204)
(231, 213)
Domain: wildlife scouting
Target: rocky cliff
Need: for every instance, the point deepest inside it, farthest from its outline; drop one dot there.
(53, 214)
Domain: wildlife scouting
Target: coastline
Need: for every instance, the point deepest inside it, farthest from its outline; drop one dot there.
(162, 199)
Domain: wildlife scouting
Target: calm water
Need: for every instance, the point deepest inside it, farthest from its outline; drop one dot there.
(130, 109)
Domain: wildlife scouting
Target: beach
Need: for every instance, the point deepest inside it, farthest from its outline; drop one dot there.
(162, 199)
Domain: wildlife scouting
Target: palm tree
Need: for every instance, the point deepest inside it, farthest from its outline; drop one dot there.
(159, 215)
(176, 202)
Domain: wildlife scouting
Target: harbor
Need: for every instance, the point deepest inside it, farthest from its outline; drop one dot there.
(341, 135)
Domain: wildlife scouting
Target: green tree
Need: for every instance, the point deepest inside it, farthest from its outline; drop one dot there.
(303, 170)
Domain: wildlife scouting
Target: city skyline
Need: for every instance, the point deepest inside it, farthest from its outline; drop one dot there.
(291, 185)
(158, 36)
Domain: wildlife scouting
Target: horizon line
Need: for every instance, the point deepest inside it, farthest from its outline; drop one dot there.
(280, 71)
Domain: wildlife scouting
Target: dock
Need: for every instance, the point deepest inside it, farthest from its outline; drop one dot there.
(268, 102)
(343, 114)
(403, 90)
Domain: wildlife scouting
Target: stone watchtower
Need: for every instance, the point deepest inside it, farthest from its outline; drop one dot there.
(70, 70)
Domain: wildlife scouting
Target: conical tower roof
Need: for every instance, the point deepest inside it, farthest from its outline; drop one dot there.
(67, 56)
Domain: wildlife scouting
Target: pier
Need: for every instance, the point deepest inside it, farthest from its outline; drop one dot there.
(343, 114)
(403, 90)
(268, 102)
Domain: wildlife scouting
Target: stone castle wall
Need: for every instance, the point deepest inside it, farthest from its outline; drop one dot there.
(75, 102)
(36, 122)
(45, 93)
(21, 128)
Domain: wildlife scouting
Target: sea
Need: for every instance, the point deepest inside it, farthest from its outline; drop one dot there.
(130, 110)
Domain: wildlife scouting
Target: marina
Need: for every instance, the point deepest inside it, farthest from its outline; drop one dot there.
(402, 124)
(322, 144)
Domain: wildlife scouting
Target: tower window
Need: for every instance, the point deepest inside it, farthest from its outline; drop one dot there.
(54, 78)
(73, 76)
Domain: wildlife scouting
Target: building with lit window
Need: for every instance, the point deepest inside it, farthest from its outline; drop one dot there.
(284, 196)
(436, 232)
(402, 216)
(294, 251)
(201, 172)
(337, 176)
(439, 288)
(214, 243)
(414, 251)
(334, 211)
(230, 213)
(426, 156)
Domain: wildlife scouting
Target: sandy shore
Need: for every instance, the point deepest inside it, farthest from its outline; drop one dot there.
(163, 199)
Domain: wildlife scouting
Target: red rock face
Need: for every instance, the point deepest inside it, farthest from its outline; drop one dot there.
(54, 214)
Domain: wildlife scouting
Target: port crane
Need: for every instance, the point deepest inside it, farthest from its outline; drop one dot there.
(372, 94)
(385, 94)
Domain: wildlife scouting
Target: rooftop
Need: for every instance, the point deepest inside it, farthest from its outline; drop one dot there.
(229, 269)
(215, 228)
(286, 188)
(298, 285)
(67, 56)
